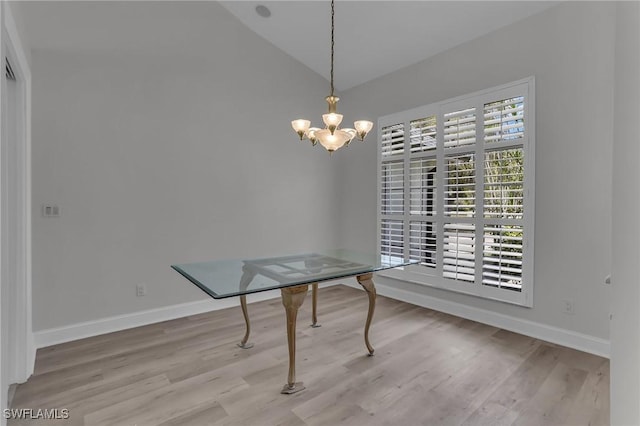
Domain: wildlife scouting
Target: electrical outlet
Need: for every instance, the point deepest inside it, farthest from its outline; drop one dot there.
(50, 210)
(141, 290)
(568, 307)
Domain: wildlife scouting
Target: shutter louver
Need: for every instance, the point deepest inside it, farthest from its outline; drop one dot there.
(392, 140)
(392, 188)
(460, 128)
(422, 181)
(458, 260)
(459, 186)
(504, 184)
(391, 240)
(504, 120)
(422, 243)
(423, 134)
(502, 257)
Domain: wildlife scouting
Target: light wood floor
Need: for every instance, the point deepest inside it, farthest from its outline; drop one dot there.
(429, 369)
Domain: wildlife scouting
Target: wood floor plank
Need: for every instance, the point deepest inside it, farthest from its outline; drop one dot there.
(563, 384)
(429, 368)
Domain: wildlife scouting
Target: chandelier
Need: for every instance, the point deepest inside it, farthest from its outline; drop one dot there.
(331, 137)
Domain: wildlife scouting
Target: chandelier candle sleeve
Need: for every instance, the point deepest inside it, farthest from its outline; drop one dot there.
(331, 137)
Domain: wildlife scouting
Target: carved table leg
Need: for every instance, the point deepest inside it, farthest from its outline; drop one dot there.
(247, 276)
(367, 283)
(314, 303)
(292, 298)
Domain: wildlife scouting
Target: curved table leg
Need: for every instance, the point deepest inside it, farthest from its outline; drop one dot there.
(247, 276)
(314, 303)
(367, 283)
(292, 298)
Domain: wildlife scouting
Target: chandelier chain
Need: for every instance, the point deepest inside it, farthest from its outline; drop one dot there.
(332, 41)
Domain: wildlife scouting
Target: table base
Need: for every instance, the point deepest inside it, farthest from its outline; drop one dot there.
(292, 299)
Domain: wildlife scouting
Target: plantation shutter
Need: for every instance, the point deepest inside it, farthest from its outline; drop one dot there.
(422, 243)
(423, 134)
(460, 128)
(392, 187)
(502, 257)
(459, 251)
(504, 120)
(392, 239)
(456, 181)
(504, 184)
(393, 140)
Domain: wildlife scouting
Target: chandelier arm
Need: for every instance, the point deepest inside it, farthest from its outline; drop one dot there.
(332, 41)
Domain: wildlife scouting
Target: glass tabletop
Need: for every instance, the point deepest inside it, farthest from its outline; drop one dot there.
(227, 278)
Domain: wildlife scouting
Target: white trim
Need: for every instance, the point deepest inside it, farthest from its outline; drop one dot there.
(23, 349)
(68, 333)
(4, 382)
(568, 338)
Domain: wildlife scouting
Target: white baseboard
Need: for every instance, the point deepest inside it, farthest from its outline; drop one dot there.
(545, 332)
(68, 333)
(30, 359)
(568, 338)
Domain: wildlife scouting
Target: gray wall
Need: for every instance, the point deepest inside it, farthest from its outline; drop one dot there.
(570, 51)
(625, 301)
(16, 10)
(156, 160)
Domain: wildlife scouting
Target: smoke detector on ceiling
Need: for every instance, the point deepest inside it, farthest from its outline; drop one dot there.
(263, 11)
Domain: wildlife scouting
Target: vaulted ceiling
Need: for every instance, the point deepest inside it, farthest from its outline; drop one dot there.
(373, 38)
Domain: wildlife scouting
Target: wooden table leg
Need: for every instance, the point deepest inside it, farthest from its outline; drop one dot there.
(314, 304)
(292, 298)
(367, 283)
(247, 276)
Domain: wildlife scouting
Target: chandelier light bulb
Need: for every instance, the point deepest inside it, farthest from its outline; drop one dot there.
(301, 126)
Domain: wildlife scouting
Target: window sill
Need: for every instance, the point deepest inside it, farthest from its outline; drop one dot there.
(470, 289)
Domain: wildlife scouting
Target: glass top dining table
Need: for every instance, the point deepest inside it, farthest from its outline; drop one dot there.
(292, 275)
(223, 278)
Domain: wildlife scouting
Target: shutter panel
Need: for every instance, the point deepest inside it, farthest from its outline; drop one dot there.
(458, 260)
(392, 140)
(504, 184)
(423, 134)
(391, 240)
(392, 188)
(422, 243)
(502, 257)
(460, 128)
(504, 120)
(422, 181)
(459, 186)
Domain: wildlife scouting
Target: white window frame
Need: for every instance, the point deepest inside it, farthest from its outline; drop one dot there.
(432, 277)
